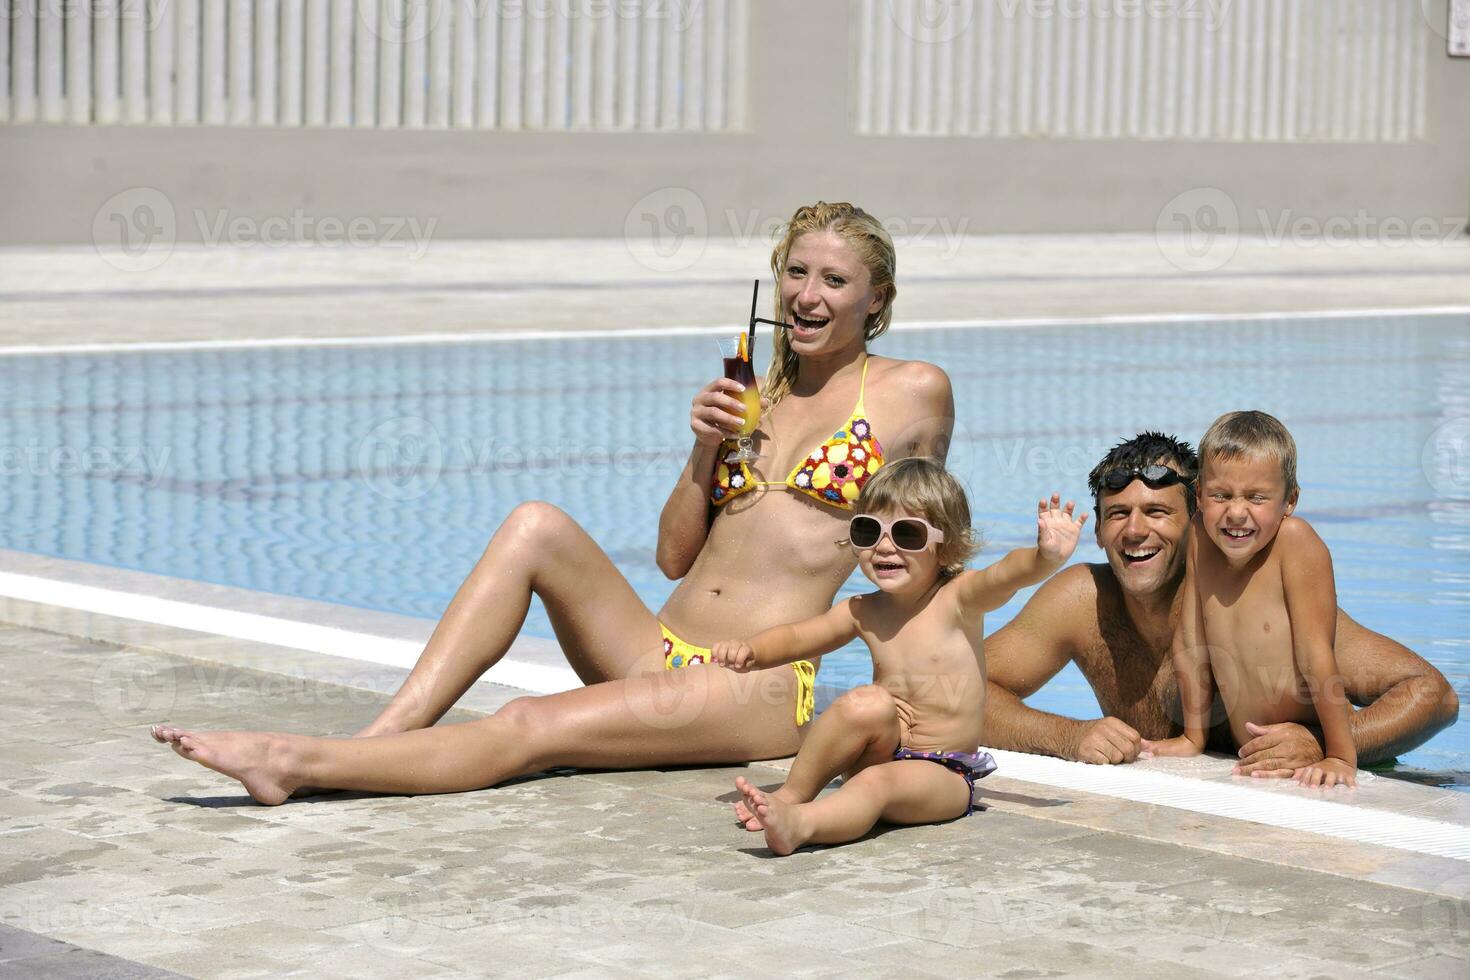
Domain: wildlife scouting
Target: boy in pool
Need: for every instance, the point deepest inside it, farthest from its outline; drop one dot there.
(924, 627)
(1259, 606)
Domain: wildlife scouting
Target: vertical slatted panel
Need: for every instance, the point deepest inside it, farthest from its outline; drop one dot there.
(512, 31)
(922, 97)
(267, 68)
(23, 62)
(365, 63)
(440, 47)
(466, 38)
(694, 69)
(884, 46)
(558, 45)
(671, 67)
(738, 31)
(412, 33)
(161, 47)
(1392, 47)
(7, 12)
(389, 18)
(584, 68)
(292, 61)
(134, 58)
(717, 51)
(1290, 96)
(903, 70)
(606, 74)
(1249, 70)
(212, 61)
(49, 44)
(78, 62)
(186, 60)
(240, 37)
(649, 45)
(535, 61)
(339, 72)
(629, 61)
(487, 90)
(585, 64)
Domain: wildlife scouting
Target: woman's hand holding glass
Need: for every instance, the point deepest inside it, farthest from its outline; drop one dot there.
(718, 413)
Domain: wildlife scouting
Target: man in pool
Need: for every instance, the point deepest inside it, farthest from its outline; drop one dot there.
(1116, 621)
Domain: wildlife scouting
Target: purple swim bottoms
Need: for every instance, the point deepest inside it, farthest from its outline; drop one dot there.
(971, 765)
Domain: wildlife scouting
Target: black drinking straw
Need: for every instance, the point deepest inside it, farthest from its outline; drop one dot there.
(755, 298)
(755, 295)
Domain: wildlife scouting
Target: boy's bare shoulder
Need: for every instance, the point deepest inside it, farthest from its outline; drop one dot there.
(1299, 537)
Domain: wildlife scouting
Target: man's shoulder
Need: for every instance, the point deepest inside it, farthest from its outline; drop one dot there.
(1069, 599)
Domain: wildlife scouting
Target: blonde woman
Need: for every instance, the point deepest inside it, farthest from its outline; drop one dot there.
(753, 547)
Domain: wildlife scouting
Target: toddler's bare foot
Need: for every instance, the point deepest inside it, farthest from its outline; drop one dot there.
(260, 761)
(780, 821)
(746, 817)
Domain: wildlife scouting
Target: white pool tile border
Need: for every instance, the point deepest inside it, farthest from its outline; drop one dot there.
(1275, 809)
(507, 336)
(351, 644)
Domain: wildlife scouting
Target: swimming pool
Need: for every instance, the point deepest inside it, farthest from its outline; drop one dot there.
(372, 476)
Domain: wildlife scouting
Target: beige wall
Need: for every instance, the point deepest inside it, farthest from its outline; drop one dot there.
(800, 145)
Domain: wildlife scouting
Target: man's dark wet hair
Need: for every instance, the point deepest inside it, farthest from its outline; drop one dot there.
(1146, 449)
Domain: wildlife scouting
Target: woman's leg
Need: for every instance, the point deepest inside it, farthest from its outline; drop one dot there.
(696, 715)
(908, 792)
(602, 625)
(859, 729)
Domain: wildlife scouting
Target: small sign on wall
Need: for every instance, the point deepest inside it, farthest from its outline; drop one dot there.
(1460, 28)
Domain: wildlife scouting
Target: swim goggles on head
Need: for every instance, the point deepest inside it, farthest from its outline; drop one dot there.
(1155, 476)
(906, 533)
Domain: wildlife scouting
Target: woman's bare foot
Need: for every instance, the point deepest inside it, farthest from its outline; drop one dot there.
(780, 820)
(260, 761)
(743, 814)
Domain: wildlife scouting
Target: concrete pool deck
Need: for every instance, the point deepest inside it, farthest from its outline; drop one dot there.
(122, 849)
(60, 296)
(116, 846)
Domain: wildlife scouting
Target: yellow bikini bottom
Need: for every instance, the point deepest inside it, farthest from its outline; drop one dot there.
(678, 653)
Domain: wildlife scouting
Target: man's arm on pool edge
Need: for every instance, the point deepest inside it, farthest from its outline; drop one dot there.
(1027, 652)
(1405, 700)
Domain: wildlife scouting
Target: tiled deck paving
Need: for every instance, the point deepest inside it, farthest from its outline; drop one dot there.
(115, 845)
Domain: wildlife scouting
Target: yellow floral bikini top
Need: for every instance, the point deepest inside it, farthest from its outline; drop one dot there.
(834, 473)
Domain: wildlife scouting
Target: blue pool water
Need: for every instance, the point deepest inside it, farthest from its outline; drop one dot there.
(372, 476)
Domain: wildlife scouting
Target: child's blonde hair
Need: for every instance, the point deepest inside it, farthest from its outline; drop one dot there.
(921, 485)
(1251, 435)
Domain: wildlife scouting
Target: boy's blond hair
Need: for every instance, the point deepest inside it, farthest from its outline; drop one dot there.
(921, 485)
(1251, 435)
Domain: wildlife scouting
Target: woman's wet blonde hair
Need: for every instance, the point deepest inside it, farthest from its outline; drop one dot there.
(874, 249)
(921, 485)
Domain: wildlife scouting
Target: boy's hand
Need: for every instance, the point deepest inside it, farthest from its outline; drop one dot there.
(734, 654)
(1056, 531)
(1328, 772)
(1178, 746)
